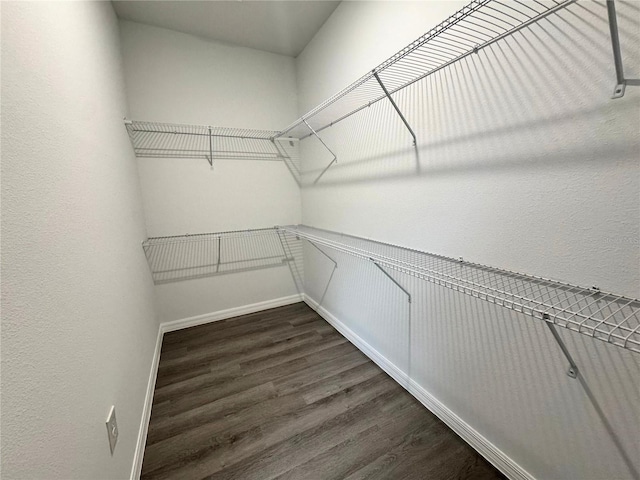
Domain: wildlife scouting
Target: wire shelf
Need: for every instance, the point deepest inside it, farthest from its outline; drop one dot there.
(167, 140)
(474, 27)
(608, 317)
(187, 257)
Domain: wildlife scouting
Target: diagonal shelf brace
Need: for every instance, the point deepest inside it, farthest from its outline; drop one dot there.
(406, 292)
(335, 264)
(333, 270)
(335, 158)
(210, 159)
(572, 371)
(621, 83)
(409, 335)
(393, 103)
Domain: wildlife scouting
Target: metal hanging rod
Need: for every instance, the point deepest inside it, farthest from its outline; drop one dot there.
(186, 257)
(167, 140)
(605, 316)
(474, 27)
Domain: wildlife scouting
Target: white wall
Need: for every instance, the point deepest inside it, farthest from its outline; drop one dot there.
(524, 163)
(178, 78)
(78, 320)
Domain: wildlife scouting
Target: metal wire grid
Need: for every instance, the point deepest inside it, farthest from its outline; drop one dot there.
(474, 27)
(608, 317)
(188, 257)
(167, 140)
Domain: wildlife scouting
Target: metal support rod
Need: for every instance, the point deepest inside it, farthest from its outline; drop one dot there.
(335, 158)
(409, 336)
(617, 55)
(404, 120)
(392, 279)
(210, 148)
(219, 252)
(335, 264)
(572, 371)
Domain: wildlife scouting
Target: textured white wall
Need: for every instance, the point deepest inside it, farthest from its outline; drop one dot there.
(524, 163)
(178, 78)
(78, 320)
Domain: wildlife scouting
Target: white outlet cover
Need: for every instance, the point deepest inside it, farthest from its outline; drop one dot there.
(112, 428)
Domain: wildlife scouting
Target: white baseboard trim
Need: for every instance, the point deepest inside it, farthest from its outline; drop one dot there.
(178, 325)
(146, 409)
(172, 325)
(483, 446)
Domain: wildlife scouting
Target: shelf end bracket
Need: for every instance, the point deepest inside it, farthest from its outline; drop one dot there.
(397, 109)
(572, 371)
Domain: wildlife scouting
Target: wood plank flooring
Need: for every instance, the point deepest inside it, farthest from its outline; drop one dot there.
(280, 394)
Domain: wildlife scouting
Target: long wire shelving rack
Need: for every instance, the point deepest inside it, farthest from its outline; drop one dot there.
(604, 316)
(168, 140)
(186, 257)
(474, 27)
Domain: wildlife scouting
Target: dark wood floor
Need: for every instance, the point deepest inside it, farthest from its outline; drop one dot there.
(281, 394)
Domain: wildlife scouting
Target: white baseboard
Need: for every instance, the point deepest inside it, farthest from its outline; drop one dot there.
(172, 325)
(146, 409)
(178, 325)
(483, 446)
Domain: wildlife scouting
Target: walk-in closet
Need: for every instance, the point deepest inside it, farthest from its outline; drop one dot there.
(317, 240)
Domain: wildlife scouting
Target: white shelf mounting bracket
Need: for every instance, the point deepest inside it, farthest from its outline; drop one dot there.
(404, 290)
(395, 106)
(621, 83)
(572, 371)
(210, 159)
(335, 158)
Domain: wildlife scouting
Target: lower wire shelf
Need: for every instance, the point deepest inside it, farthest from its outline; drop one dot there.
(186, 257)
(605, 316)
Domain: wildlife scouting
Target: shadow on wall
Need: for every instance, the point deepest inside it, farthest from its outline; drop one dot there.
(539, 98)
(499, 368)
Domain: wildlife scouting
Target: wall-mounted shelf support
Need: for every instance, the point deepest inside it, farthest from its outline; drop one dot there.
(393, 103)
(621, 83)
(572, 371)
(335, 264)
(210, 159)
(335, 158)
(404, 290)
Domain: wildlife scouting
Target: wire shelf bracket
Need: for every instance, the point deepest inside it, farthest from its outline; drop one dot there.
(621, 82)
(388, 275)
(335, 158)
(395, 106)
(572, 371)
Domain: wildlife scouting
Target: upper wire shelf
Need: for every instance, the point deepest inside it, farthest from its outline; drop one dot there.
(474, 27)
(608, 317)
(186, 257)
(168, 140)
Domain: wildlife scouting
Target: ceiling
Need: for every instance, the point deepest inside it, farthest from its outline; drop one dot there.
(283, 27)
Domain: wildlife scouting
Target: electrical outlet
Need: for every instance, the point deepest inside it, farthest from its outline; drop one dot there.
(112, 428)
